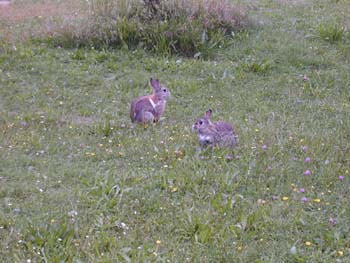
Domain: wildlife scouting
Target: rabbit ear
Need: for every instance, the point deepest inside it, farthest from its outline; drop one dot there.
(155, 83)
(208, 114)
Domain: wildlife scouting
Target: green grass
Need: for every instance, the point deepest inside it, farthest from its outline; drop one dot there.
(79, 183)
(194, 28)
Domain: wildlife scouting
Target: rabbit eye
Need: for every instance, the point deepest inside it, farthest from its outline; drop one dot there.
(164, 90)
(200, 122)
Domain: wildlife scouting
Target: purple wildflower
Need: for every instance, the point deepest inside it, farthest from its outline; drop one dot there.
(274, 197)
(307, 172)
(304, 199)
(332, 221)
(229, 157)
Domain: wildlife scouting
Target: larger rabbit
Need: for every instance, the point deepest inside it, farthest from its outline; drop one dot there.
(150, 108)
(218, 134)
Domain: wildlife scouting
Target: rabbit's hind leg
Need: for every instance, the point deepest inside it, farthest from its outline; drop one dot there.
(144, 117)
(148, 117)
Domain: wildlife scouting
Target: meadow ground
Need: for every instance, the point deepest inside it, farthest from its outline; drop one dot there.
(79, 183)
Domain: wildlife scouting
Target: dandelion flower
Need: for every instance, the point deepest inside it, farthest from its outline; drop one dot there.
(317, 200)
(308, 243)
(285, 198)
(158, 242)
(340, 253)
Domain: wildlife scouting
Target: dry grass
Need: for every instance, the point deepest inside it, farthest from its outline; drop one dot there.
(167, 27)
(24, 20)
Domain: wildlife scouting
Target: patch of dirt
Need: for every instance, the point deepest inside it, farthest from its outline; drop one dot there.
(77, 120)
(292, 2)
(81, 120)
(21, 13)
(20, 21)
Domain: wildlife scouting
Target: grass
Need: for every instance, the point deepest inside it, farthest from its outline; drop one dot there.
(193, 28)
(332, 32)
(79, 183)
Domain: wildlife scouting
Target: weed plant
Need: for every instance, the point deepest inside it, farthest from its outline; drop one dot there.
(332, 32)
(186, 28)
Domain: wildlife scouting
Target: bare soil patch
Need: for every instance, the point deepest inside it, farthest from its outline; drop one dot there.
(20, 21)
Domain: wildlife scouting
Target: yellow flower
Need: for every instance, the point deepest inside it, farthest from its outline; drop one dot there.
(285, 198)
(308, 243)
(340, 253)
(317, 200)
(158, 242)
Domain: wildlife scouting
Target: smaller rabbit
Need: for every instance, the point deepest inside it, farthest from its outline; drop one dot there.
(219, 134)
(150, 108)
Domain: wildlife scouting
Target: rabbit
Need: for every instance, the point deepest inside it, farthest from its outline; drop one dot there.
(219, 134)
(150, 108)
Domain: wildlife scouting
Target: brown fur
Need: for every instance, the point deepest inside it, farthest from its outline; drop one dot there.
(150, 108)
(219, 134)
